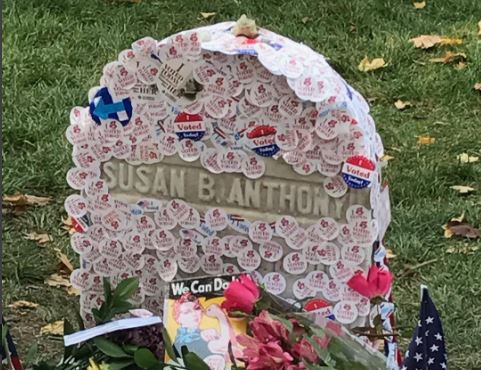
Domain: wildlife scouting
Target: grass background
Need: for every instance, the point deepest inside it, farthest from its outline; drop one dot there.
(54, 51)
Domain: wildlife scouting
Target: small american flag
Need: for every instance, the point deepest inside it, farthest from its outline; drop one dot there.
(427, 350)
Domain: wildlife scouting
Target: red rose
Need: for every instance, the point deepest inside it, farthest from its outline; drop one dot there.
(241, 295)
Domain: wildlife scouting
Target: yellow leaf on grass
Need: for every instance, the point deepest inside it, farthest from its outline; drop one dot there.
(450, 57)
(25, 200)
(399, 104)
(390, 254)
(428, 41)
(420, 5)
(477, 86)
(65, 263)
(22, 304)
(461, 189)
(305, 19)
(479, 28)
(54, 328)
(425, 140)
(73, 291)
(207, 15)
(466, 158)
(367, 65)
(39, 238)
(57, 280)
(467, 249)
(386, 158)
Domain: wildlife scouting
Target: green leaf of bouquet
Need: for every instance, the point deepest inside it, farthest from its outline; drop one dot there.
(323, 353)
(168, 344)
(121, 307)
(194, 362)
(107, 291)
(126, 288)
(97, 315)
(130, 348)
(120, 364)
(184, 351)
(110, 348)
(145, 359)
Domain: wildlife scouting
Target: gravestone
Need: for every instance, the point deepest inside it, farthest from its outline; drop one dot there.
(209, 153)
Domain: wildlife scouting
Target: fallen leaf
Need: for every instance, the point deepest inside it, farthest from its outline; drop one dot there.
(22, 304)
(479, 28)
(461, 189)
(466, 158)
(54, 328)
(399, 104)
(73, 291)
(420, 5)
(207, 15)
(460, 65)
(366, 65)
(68, 225)
(65, 263)
(428, 41)
(477, 86)
(389, 254)
(57, 280)
(386, 158)
(459, 227)
(411, 269)
(305, 19)
(25, 200)
(467, 249)
(39, 238)
(425, 139)
(449, 57)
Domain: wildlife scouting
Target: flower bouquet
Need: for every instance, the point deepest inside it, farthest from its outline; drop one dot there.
(105, 347)
(280, 336)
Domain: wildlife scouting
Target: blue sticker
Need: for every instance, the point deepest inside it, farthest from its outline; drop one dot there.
(358, 172)
(103, 107)
(189, 126)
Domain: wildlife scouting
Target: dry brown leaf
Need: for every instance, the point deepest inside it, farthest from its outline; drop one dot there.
(420, 5)
(425, 140)
(477, 86)
(457, 226)
(428, 41)
(65, 263)
(41, 239)
(25, 200)
(57, 280)
(467, 249)
(22, 304)
(207, 15)
(462, 189)
(306, 19)
(68, 225)
(466, 158)
(399, 104)
(73, 291)
(479, 28)
(450, 57)
(367, 65)
(54, 328)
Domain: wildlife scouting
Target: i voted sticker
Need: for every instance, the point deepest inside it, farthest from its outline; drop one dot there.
(76, 205)
(216, 218)
(189, 265)
(329, 253)
(317, 280)
(328, 228)
(358, 172)
(253, 167)
(295, 263)
(275, 283)
(301, 289)
(285, 226)
(260, 232)
(189, 126)
(353, 254)
(211, 264)
(271, 251)
(335, 186)
(249, 260)
(332, 290)
(341, 271)
(345, 312)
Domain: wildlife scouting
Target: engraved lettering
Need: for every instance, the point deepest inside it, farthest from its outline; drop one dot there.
(206, 187)
(235, 194)
(145, 183)
(177, 183)
(287, 196)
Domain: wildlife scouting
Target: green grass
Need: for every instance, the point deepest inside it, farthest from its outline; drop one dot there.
(54, 51)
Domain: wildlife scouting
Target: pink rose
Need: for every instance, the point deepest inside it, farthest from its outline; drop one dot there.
(304, 350)
(241, 295)
(264, 356)
(378, 282)
(265, 329)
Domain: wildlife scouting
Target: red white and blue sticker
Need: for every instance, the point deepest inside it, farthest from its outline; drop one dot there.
(262, 140)
(103, 107)
(189, 126)
(358, 171)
